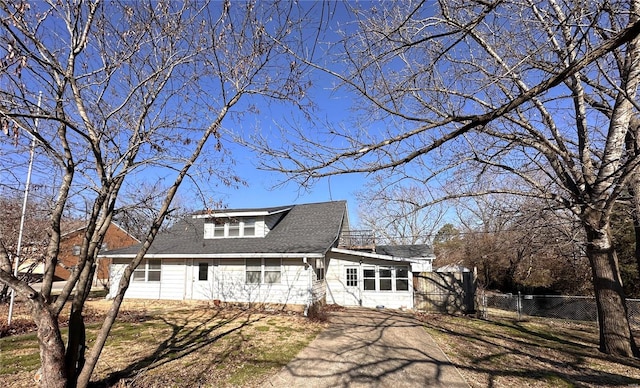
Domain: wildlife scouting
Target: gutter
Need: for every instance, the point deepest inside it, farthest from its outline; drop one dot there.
(374, 255)
(307, 306)
(215, 255)
(339, 231)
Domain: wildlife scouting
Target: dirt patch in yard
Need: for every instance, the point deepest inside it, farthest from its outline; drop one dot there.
(506, 352)
(164, 343)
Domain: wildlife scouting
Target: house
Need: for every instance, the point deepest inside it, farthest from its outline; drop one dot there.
(295, 255)
(70, 243)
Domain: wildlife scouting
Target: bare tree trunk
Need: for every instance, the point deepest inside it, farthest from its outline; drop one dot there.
(615, 333)
(76, 344)
(51, 347)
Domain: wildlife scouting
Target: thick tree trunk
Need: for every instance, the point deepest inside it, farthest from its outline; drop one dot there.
(615, 333)
(51, 348)
(76, 345)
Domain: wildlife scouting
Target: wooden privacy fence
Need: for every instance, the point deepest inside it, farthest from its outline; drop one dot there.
(445, 292)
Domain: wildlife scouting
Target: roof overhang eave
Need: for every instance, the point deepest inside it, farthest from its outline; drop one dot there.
(378, 256)
(217, 255)
(246, 213)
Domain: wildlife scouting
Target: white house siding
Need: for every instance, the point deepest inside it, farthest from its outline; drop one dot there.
(173, 279)
(339, 292)
(230, 284)
(227, 282)
(137, 289)
(201, 289)
(295, 284)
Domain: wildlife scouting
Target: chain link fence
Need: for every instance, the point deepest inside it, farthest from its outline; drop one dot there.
(577, 308)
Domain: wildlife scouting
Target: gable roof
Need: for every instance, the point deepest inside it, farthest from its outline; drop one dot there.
(305, 229)
(66, 235)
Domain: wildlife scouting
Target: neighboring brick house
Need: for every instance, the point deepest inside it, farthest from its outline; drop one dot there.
(70, 243)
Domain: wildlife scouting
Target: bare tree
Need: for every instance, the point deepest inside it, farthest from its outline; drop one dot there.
(493, 97)
(34, 235)
(397, 215)
(520, 244)
(129, 89)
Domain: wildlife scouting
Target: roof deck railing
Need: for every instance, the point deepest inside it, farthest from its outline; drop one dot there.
(357, 239)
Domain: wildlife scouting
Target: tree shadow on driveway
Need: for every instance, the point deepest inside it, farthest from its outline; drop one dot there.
(365, 347)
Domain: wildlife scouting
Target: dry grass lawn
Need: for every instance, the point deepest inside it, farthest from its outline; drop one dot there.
(537, 352)
(177, 344)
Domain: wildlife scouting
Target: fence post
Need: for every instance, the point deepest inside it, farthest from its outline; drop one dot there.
(519, 305)
(484, 305)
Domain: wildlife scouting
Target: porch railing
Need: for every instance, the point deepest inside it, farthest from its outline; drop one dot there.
(357, 239)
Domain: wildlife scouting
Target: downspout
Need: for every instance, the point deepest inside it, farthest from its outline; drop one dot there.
(309, 287)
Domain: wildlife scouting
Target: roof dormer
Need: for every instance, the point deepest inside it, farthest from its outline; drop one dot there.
(240, 223)
(220, 227)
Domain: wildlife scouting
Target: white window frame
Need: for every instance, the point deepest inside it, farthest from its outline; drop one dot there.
(146, 271)
(319, 269)
(387, 279)
(367, 278)
(248, 224)
(224, 228)
(352, 274)
(396, 278)
(267, 271)
(393, 279)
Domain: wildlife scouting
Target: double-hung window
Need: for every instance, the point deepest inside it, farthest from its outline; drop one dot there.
(148, 271)
(320, 269)
(385, 279)
(369, 277)
(218, 228)
(249, 227)
(402, 279)
(234, 228)
(254, 271)
(272, 271)
(263, 271)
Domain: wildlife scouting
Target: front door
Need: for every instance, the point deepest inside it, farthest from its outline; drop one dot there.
(203, 280)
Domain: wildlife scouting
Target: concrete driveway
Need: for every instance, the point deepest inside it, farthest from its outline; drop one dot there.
(370, 348)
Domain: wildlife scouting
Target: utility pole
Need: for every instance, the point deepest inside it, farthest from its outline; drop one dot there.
(24, 210)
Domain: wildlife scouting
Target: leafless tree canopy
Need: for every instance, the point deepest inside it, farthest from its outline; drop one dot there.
(130, 92)
(522, 98)
(397, 214)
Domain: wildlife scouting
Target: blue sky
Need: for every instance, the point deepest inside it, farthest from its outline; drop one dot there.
(267, 188)
(260, 190)
(263, 187)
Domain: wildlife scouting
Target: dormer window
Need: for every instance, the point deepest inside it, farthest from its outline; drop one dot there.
(218, 228)
(249, 227)
(234, 228)
(230, 228)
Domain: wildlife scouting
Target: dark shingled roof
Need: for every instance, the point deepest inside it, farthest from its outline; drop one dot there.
(405, 251)
(306, 228)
